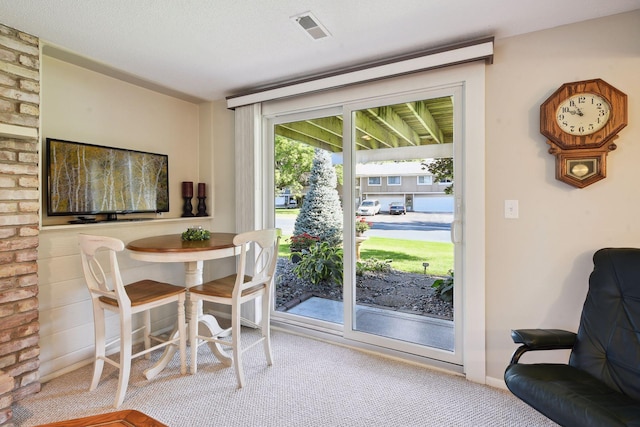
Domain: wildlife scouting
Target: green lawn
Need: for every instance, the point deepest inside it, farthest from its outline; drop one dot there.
(289, 212)
(407, 255)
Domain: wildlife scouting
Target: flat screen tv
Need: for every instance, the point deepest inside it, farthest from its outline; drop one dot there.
(87, 179)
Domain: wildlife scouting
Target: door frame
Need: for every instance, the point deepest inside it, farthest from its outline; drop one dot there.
(471, 204)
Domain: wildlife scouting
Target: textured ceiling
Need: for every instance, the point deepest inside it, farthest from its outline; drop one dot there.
(209, 49)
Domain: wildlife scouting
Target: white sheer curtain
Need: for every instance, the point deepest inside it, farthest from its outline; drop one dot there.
(249, 185)
(248, 158)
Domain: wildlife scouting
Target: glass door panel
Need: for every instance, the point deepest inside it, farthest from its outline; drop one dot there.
(308, 183)
(366, 202)
(400, 260)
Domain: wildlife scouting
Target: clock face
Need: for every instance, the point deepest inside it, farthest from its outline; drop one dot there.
(583, 114)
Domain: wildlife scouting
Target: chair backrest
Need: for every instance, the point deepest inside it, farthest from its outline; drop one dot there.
(265, 243)
(102, 284)
(608, 341)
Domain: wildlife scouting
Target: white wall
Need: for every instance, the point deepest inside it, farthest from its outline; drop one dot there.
(222, 139)
(538, 265)
(82, 105)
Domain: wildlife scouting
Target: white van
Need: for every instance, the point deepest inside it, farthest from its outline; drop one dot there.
(369, 207)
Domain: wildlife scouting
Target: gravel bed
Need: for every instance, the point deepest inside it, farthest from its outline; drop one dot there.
(396, 290)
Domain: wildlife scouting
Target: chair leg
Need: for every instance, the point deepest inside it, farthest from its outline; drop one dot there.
(235, 342)
(147, 332)
(182, 335)
(125, 358)
(99, 352)
(193, 331)
(266, 329)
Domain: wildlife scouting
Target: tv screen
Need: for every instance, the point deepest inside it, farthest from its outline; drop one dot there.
(91, 179)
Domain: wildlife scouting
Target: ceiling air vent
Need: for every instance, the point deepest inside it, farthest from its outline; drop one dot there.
(311, 26)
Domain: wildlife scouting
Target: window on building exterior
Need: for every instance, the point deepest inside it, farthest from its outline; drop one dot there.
(425, 180)
(394, 180)
(375, 180)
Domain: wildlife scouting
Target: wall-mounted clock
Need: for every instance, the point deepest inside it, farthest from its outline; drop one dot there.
(581, 120)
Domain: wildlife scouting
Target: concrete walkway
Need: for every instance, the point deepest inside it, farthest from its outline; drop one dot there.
(424, 330)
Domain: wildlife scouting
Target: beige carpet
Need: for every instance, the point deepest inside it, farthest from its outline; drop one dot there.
(311, 383)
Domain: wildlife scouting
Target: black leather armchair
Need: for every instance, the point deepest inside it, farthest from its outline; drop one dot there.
(600, 386)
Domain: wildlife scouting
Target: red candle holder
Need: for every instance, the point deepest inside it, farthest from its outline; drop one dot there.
(187, 194)
(187, 189)
(202, 195)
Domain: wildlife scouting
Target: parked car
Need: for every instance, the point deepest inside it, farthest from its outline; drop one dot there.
(397, 208)
(369, 207)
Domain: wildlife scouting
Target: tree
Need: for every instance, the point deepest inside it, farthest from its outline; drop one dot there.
(293, 162)
(321, 212)
(442, 169)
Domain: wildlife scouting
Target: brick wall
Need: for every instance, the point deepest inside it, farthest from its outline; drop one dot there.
(19, 205)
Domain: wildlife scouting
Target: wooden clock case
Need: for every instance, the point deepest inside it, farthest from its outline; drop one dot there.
(581, 159)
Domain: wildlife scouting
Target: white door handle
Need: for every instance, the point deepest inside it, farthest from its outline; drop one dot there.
(455, 232)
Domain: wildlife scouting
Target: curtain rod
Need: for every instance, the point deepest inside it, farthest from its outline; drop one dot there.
(424, 60)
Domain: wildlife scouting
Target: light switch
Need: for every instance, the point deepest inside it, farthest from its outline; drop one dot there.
(511, 209)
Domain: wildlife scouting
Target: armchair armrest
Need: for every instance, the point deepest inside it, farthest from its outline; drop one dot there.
(541, 339)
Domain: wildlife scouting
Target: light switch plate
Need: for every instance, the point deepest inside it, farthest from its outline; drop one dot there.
(511, 209)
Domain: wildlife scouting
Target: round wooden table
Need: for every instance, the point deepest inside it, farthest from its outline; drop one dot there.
(171, 248)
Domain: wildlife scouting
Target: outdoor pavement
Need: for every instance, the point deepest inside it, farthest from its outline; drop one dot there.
(430, 227)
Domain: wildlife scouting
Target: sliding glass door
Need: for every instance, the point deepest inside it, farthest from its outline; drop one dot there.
(366, 197)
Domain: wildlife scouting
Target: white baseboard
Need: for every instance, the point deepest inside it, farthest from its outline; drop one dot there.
(496, 383)
(65, 370)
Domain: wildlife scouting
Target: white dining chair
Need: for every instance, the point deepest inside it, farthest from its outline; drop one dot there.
(108, 293)
(254, 276)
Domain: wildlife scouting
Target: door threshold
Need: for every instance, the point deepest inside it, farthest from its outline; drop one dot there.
(332, 337)
(413, 328)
